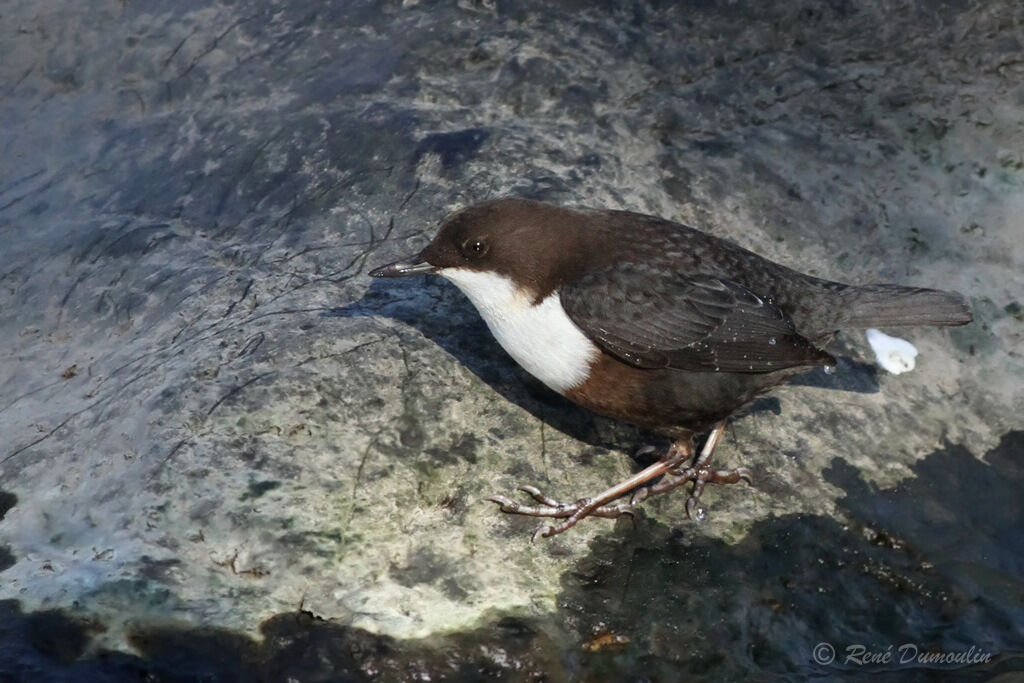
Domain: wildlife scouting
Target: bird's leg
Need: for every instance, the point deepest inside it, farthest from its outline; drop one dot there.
(597, 505)
(700, 473)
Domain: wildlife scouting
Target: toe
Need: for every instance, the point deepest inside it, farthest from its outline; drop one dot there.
(506, 503)
(694, 510)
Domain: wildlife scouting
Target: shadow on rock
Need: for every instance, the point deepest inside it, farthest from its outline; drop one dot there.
(296, 646)
(7, 501)
(848, 375)
(962, 516)
(439, 312)
(933, 564)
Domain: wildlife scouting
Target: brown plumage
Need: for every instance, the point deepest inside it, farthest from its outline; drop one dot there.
(658, 324)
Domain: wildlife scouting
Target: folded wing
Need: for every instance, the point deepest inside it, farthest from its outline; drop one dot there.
(651, 317)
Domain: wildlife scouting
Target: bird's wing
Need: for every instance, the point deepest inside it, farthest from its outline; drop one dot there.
(652, 317)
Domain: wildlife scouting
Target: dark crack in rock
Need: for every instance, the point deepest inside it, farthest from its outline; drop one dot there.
(7, 501)
(7, 558)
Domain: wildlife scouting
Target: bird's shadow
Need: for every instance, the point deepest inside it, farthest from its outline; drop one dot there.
(438, 311)
(848, 375)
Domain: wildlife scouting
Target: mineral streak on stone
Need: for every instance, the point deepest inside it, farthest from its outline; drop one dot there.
(190, 194)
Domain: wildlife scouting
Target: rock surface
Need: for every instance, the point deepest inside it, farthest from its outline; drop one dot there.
(226, 450)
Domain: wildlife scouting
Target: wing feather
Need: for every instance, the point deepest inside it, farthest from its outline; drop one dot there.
(653, 317)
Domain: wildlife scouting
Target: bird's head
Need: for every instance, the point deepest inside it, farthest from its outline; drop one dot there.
(525, 242)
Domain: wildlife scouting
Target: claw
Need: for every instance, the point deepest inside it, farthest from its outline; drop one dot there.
(506, 503)
(645, 449)
(627, 510)
(697, 514)
(539, 496)
(541, 532)
(745, 475)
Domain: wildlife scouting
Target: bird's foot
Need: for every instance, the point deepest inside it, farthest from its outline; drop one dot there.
(666, 474)
(700, 474)
(571, 513)
(550, 507)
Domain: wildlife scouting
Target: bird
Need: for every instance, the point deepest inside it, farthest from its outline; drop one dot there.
(651, 322)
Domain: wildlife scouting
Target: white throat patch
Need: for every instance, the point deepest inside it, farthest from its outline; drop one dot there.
(539, 337)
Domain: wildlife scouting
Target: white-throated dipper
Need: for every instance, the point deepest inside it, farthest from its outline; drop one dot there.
(648, 321)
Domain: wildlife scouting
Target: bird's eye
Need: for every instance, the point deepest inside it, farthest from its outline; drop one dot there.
(474, 248)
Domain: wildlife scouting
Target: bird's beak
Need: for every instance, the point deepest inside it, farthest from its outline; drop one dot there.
(413, 265)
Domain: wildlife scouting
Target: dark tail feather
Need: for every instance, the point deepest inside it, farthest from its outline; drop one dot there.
(896, 306)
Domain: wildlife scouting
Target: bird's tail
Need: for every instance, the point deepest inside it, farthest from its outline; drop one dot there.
(897, 306)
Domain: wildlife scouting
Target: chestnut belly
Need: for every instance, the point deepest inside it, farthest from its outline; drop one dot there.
(671, 402)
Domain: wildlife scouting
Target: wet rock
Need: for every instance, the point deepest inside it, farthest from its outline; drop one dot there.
(189, 202)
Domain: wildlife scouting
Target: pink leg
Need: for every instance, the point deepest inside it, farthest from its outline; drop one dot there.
(596, 505)
(699, 472)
